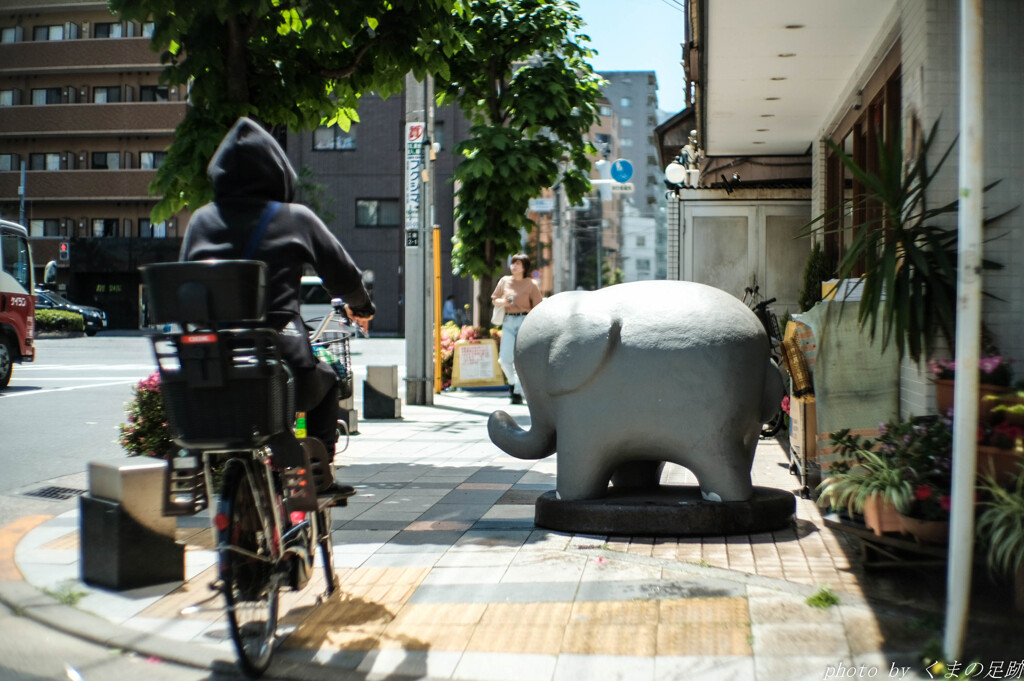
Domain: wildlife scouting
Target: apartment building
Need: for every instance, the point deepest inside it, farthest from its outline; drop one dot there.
(83, 113)
(633, 96)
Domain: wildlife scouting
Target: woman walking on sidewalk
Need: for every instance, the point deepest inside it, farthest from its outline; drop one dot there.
(518, 294)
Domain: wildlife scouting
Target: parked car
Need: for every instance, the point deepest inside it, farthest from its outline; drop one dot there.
(95, 318)
(314, 300)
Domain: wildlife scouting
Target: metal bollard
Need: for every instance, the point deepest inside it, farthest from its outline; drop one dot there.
(126, 543)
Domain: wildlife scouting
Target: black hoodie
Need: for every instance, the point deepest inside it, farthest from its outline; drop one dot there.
(248, 171)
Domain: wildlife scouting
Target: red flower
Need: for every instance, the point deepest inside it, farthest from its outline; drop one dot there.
(945, 501)
(923, 492)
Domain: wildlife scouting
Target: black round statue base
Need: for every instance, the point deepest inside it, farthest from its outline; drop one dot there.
(666, 511)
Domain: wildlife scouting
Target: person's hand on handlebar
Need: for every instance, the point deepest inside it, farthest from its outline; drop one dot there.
(362, 322)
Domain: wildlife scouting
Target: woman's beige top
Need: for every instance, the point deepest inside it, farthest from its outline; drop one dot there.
(525, 294)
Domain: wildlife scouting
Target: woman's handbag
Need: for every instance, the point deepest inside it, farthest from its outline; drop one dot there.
(498, 316)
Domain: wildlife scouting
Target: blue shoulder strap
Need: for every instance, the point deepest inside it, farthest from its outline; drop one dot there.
(261, 228)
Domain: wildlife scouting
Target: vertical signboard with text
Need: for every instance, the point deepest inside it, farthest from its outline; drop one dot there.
(414, 136)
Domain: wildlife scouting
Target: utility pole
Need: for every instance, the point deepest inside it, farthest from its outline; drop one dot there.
(419, 214)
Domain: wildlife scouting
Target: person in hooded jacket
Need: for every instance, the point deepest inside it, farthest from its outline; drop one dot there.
(252, 217)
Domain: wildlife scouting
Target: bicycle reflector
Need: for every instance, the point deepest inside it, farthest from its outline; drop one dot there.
(199, 338)
(220, 521)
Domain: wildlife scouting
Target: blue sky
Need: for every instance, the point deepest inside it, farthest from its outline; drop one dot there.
(639, 35)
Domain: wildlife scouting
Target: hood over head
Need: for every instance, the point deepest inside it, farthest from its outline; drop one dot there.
(249, 163)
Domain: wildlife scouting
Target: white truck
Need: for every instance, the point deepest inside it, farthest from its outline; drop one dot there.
(17, 302)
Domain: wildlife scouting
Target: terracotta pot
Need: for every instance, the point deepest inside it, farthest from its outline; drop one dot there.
(881, 516)
(926, 531)
(944, 396)
(1002, 463)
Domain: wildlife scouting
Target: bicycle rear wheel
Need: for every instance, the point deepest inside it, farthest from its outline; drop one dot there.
(249, 571)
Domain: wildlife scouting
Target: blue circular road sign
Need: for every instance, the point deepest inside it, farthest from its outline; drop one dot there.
(622, 170)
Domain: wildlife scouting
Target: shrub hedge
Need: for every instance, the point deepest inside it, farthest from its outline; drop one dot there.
(59, 320)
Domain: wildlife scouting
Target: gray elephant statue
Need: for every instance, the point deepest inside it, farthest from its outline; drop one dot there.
(625, 378)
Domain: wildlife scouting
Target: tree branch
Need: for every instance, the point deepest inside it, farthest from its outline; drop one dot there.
(339, 74)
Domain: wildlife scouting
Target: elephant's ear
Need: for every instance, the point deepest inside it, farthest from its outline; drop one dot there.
(581, 350)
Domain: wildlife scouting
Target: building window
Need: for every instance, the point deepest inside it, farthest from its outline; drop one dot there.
(378, 213)
(626, 102)
(626, 142)
(333, 138)
(108, 30)
(151, 160)
(105, 95)
(148, 29)
(47, 95)
(9, 34)
(641, 241)
(626, 122)
(643, 265)
(606, 110)
(106, 160)
(152, 229)
(153, 93)
(6, 97)
(41, 161)
(44, 227)
(439, 134)
(48, 32)
(104, 227)
(8, 162)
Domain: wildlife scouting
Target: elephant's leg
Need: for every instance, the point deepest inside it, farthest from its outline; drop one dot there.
(638, 475)
(723, 471)
(583, 468)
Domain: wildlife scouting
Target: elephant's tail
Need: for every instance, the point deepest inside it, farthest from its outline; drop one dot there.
(535, 443)
(774, 389)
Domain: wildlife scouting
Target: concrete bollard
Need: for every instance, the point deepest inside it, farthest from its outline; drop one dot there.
(126, 542)
(380, 393)
(348, 415)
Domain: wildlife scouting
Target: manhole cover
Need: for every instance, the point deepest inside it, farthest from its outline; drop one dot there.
(58, 493)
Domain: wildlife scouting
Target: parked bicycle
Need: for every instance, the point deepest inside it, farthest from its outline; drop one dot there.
(229, 401)
(771, 327)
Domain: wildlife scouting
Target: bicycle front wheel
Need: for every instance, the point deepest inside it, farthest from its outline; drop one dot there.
(249, 571)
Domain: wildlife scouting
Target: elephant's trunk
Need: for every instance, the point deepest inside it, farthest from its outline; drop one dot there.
(535, 443)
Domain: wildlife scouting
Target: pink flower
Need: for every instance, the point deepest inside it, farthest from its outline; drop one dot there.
(990, 364)
(785, 403)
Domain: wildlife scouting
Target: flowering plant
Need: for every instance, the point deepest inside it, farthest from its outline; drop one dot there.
(994, 369)
(146, 432)
(910, 463)
(1003, 435)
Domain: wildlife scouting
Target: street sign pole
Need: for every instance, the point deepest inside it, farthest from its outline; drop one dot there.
(418, 284)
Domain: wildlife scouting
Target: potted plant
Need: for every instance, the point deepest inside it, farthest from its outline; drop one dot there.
(1000, 528)
(928, 452)
(871, 483)
(994, 377)
(998, 450)
(907, 263)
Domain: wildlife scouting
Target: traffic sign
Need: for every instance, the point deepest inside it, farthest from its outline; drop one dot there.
(622, 170)
(622, 188)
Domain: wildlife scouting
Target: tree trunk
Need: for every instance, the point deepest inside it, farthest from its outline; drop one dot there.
(236, 74)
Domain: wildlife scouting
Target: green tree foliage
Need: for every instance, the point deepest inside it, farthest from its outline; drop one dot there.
(288, 63)
(531, 96)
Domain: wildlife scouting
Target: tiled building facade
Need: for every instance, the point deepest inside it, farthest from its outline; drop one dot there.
(82, 108)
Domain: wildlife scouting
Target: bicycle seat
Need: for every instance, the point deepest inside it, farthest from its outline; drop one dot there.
(224, 383)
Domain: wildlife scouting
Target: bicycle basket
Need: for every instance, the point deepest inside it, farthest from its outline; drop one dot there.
(333, 350)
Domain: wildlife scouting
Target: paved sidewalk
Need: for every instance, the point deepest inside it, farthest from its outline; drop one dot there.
(444, 575)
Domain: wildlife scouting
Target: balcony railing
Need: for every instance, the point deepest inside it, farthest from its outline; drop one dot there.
(74, 58)
(64, 120)
(80, 185)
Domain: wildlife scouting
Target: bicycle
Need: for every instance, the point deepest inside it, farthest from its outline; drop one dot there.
(229, 399)
(771, 327)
